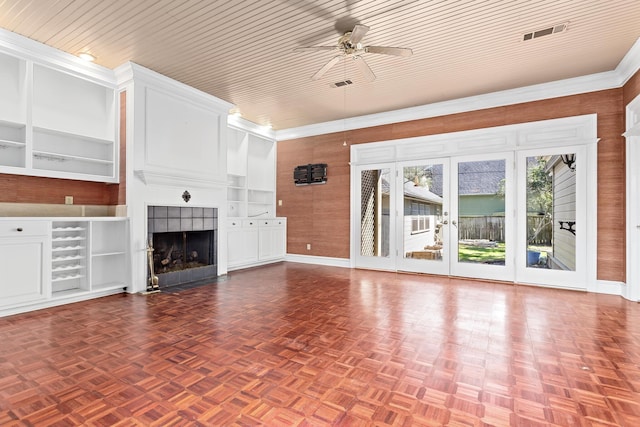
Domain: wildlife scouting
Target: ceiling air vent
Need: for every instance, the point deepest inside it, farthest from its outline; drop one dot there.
(342, 83)
(545, 31)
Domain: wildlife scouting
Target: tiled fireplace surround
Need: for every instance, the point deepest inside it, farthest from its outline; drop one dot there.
(164, 219)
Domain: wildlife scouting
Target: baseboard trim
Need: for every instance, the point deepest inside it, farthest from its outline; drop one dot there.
(610, 287)
(601, 286)
(319, 260)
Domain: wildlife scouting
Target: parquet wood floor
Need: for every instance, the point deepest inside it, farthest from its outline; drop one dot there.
(301, 345)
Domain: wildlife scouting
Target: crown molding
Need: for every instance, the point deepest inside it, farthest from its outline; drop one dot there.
(41, 54)
(627, 67)
(630, 64)
(251, 127)
(130, 72)
(162, 178)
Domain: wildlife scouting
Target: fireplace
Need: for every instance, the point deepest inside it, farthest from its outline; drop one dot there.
(184, 241)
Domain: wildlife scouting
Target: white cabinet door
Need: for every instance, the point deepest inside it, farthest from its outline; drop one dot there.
(280, 239)
(22, 263)
(242, 242)
(272, 239)
(265, 240)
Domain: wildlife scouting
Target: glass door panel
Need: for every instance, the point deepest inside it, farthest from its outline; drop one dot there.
(550, 217)
(423, 191)
(481, 199)
(551, 212)
(376, 248)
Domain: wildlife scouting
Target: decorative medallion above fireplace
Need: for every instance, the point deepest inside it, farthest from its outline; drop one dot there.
(184, 242)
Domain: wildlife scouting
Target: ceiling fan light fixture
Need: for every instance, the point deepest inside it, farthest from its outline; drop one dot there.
(349, 45)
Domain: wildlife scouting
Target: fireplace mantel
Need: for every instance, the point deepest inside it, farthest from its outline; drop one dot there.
(151, 177)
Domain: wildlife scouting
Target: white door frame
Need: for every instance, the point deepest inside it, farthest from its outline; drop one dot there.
(632, 135)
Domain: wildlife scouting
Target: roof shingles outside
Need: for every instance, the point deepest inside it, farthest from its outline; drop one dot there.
(480, 178)
(474, 179)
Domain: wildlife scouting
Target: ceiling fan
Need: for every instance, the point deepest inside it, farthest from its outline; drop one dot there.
(349, 46)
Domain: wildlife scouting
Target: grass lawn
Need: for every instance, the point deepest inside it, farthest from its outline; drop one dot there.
(482, 255)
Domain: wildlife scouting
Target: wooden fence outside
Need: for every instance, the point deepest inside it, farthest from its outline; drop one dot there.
(492, 228)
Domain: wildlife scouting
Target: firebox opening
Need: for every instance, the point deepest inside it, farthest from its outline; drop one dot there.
(184, 241)
(176, 251)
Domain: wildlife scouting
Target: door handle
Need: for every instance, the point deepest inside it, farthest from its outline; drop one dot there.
(445, 222)
(454, 223)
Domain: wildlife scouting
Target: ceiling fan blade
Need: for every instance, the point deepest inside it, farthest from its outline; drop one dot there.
(364, 68)
(313, 48)
(385, 50)
(326, 67)
(358, 33)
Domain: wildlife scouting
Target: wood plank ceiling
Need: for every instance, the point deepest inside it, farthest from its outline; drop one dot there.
(242, 51)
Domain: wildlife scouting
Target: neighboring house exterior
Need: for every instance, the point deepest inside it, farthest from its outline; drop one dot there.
(564, 215)
(422, 215)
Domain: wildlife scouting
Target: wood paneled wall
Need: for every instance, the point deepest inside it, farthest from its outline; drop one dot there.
(319, 214)
(33, 189)
(632, 88)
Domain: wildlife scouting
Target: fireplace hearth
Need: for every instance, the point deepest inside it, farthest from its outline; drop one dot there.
(184, 241)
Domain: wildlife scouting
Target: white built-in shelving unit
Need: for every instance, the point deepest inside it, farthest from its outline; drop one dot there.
(54, 261)
(251, 179)
(254, 235)
(55, 119)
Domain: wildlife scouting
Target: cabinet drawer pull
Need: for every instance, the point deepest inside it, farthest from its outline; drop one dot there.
(19, 229)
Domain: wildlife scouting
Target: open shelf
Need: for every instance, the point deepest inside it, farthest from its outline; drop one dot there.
(108, 255)
(12, 144)
(71, 104)
(107, 271)
(12, 88)
(63, 152)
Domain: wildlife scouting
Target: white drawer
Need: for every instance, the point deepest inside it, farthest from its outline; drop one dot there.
(271, 222)
(17, 228)
(250, 222)
(234, 223)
